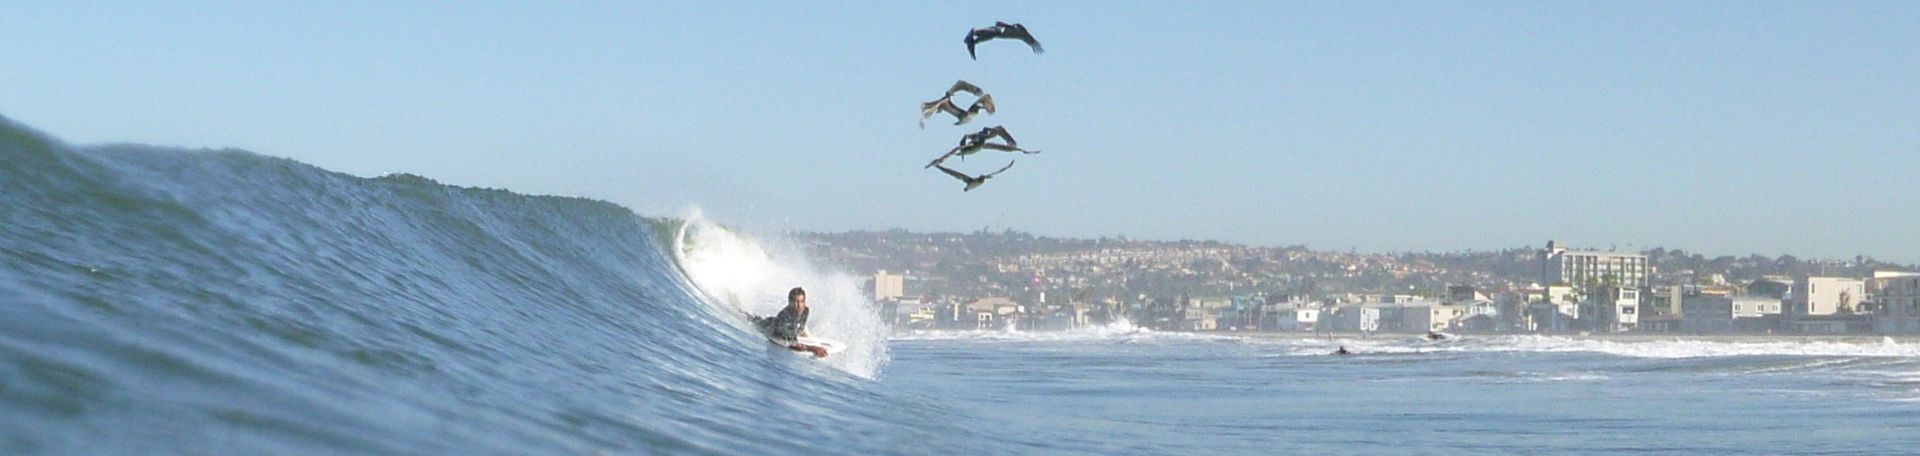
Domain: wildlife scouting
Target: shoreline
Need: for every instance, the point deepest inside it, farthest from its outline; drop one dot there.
(1616, 337)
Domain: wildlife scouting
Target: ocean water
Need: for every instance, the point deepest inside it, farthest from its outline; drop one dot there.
(1109, 391)
(166, 301)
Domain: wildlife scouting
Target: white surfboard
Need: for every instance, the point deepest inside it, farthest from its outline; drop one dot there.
(832, 346)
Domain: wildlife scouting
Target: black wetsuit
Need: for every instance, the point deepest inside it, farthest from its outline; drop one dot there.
(784, 327)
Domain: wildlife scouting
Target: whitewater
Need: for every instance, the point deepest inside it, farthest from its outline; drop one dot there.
(166, 301)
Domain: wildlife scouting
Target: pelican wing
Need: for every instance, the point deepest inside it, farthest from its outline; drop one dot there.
(985, 102)
(943, 157)
(964, 86)
(956, 174)
(928, 109)
(990, 132)
(1006, 148)
(1020, 32)
(974, 37)
(1003, 169)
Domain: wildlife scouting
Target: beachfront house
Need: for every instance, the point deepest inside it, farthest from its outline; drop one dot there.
(1712, 314)
(1362, 318)
(1899, 296)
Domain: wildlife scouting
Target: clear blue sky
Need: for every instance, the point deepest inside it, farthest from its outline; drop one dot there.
(1718, 127)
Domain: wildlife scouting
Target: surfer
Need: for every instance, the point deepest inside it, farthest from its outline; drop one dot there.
(1342, 351)
(787, 327)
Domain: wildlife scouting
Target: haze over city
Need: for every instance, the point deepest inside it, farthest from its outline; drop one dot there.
(1720, 128)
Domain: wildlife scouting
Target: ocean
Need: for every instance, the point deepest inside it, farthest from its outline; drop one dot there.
(165, 301)
(1120, 391)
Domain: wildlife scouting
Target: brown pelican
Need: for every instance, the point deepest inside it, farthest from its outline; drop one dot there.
(945, 103)
(974, 142)
(961, 117)
(972, 181)
(988, 133)
(1001, 30)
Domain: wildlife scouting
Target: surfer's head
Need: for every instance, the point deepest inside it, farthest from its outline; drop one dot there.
(797, 297)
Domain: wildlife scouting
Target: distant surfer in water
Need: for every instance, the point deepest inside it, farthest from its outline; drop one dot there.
(788, 326)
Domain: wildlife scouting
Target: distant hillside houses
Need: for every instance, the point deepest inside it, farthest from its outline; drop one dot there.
(997, 281)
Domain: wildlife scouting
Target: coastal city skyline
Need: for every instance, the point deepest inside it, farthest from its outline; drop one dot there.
(1772, 128)
(1008, 279)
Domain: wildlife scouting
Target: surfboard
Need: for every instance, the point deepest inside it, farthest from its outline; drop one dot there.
(832, 346)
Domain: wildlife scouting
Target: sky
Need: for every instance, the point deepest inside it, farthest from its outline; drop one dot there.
(1719, 127)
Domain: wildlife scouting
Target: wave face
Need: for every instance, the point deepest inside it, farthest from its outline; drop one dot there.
(163, 300)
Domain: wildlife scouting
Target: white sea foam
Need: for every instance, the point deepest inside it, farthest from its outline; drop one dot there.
(1667, 349)
(745, 273)
(1682, 348)
(1121, 330)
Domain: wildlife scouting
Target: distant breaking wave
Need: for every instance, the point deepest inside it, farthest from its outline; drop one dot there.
(1121, 330)
(1676, 348)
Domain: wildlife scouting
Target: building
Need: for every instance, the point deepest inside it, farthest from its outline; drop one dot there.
(1203, 314)
(1420, 317)
(1899, 297)
(1512, 307)
(1660, 309)
(1778, 287)
(1557, 309)
(1585, 268)
(1363, 318)
(1664, 301)
(1718, 314)
(1826, 305)
(1464, 293)
(920, 314)
(990, 313)
(888, 286)
(1482, 316)
(1296, 319)
(1548, 317)
(1615, 309)
(1824, 296)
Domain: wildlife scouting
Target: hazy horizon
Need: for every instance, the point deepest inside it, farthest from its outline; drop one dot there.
(1720, 129)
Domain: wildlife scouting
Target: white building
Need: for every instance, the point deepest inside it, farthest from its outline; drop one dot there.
(1421, 317)
(1826, 305)
(888, 286)
(1582, 267)
(1820, 296)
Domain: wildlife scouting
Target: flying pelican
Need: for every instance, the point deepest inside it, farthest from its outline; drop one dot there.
(988, 133)
(1001, 30)
(945, 103)
(961, 117)
(975, 142)
(972, 181)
